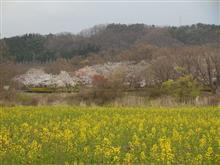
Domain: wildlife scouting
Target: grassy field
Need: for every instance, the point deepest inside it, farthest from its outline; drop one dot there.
(97, 135)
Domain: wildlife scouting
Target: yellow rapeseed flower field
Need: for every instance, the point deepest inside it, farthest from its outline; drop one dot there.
(66, 135)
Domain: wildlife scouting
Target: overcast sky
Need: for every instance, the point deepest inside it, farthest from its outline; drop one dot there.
(21, 17)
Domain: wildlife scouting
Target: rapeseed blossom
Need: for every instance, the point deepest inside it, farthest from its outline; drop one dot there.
(109, 135)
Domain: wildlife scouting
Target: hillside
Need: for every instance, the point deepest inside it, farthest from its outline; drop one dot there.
(110, 62)
(103, 40)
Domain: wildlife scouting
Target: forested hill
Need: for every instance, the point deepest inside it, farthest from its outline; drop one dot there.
(103, 40)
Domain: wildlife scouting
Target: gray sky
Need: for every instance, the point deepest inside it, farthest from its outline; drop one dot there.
(47, 17)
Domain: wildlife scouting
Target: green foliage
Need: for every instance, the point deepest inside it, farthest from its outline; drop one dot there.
(180, 70)
(41, 90)
(196, 34)
(112, 38)
(28, 48)
(40, 48)
(183, 88)
(52, 90)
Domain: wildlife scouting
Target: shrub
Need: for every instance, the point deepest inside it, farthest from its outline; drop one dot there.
(25, 99)
(99, 96)
(183, 89)
(99, 80)
(40, 90)
(8, 95)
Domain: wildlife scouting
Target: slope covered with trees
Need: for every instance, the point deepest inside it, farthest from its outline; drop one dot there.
(180, 62)
(103, 40)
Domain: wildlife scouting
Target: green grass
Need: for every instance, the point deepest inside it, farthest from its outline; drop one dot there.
(52, 90)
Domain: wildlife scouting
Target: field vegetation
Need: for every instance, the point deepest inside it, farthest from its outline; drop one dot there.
(109, 135)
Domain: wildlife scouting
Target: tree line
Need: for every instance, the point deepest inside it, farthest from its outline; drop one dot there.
(103, 40)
